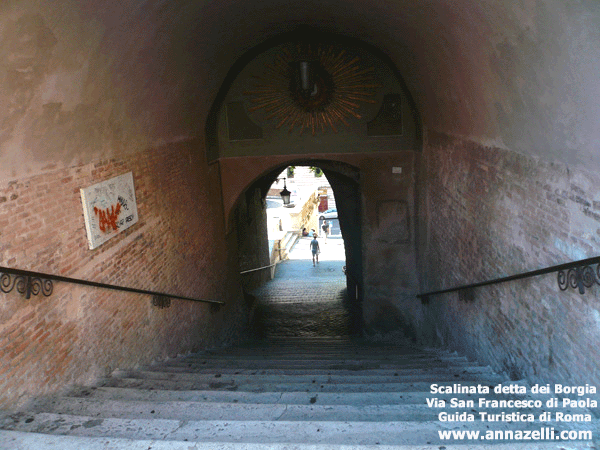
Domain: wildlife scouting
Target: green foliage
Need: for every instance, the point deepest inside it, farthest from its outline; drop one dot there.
(317, 171)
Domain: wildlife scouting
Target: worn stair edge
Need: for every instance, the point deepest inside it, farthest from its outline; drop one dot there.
(34, 441)
(306, 345)
(314, 411)
(257, 432)
(440, 379)
(327, 351)
(332, 358)
(310, 344)
(315, 364)
(292, 355)
(333, 370)
(308, 386)
(294, 397)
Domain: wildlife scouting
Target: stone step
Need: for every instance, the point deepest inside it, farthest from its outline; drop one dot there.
(325, 355)
(259, 378)
(327, 394)
(328, 370)
(292, 355)
(235, 411)
(320, 365)
(292, 398)
(255, 432)
(309, 343)
(316, 363)
(318, 349)
(33, 441)
(309, 386)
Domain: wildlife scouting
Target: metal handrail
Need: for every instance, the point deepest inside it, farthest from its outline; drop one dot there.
(258, 268)
(33, 283)
(575, 274)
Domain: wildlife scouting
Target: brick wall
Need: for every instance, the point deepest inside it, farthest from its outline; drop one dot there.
(492, 213)
(78, 333)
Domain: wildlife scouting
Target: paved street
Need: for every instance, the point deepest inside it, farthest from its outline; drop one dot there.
(334, 227)
(332, 252)
(303, 300)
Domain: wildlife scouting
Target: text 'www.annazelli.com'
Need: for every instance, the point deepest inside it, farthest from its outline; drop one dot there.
(542, 434)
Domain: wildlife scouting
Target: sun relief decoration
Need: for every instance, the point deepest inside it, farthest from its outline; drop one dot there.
(312, 88)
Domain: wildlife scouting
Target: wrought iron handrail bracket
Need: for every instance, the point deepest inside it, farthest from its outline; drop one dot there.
(34, 283)
(576, 275)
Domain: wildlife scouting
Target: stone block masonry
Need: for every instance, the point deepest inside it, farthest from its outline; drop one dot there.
(79, 332)
(493, 213)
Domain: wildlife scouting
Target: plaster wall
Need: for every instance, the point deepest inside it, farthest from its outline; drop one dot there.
(513, 73)
(65, 100)
(389, 209)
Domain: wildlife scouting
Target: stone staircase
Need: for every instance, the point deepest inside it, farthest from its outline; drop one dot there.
(282, 393)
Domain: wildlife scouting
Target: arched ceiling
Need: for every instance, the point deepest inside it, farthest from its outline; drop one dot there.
(81, 78)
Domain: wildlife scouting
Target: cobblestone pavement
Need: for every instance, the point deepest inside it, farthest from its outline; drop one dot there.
(303, 300)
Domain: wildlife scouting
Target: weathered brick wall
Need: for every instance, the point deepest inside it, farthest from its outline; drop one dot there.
(493, 213)
(78, 333)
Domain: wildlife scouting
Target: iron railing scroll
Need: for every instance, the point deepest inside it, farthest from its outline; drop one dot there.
(25, 284)
(577, 275)
(34, 283)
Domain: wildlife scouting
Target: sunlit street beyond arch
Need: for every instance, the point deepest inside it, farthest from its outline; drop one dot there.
(307, 300)
(331, 251)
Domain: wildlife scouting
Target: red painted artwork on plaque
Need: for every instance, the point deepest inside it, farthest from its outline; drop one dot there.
(108, 218)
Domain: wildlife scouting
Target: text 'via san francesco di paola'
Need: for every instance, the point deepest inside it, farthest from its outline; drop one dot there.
(513, 402)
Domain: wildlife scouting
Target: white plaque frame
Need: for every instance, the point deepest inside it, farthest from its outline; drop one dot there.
(109, 208)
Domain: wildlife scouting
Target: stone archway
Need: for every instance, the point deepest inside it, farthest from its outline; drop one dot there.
(248, 233)
(245, 213)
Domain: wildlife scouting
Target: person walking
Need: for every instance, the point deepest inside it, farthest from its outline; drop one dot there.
(314, 248)
(325, 228)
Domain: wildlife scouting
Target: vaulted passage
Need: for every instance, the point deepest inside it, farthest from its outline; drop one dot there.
(139, 139)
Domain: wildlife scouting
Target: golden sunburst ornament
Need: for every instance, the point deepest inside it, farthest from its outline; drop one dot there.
(313, 88)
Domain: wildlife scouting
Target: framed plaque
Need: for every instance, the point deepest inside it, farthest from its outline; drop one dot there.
(109, 208)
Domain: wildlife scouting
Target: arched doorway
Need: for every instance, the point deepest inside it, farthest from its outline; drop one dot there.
(248, 222)
(380, 136)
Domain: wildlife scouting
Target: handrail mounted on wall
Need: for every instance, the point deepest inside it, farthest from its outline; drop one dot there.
(35, 283)
(577, 275)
